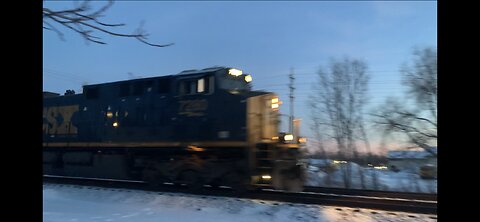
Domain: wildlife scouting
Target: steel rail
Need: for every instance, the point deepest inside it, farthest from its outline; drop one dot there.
(373, 193)
(322, 198)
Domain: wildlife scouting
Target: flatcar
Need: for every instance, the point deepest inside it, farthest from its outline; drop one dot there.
(197, 127)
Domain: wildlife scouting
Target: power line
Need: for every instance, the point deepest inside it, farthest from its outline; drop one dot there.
(304, 74)
(65, 75)
(311, 89)
(306, 83)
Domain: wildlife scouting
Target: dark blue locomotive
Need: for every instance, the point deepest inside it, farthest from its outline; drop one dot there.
(196, 127)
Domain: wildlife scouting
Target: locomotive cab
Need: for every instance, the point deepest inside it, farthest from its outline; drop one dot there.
(273, 157)
(207, 81)
(222, 101)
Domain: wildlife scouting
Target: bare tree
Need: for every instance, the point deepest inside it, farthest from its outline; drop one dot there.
(337, 106)
(85, 20)
(316, 127)
(418, 123)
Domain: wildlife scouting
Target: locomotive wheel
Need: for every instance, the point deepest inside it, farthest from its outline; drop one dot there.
(191, 179)
(288, 176)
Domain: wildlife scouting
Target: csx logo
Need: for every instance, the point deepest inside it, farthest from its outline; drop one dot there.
(192, 107)
(57, 120)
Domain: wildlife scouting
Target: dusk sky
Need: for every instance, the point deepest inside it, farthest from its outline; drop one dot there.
(264, 38)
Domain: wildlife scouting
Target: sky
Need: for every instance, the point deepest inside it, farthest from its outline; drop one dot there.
(266, 39)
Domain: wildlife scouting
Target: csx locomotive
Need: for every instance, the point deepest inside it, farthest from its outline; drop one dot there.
(194, 128)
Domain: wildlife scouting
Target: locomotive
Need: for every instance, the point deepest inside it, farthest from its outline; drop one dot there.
(196, 128)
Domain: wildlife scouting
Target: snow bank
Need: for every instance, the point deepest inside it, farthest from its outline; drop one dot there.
(69, 203)
(369, 178)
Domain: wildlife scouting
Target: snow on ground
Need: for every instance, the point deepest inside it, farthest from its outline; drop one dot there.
(372, 179)
(71, 203)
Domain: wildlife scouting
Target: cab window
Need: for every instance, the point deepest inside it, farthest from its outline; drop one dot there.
(195, 86)
(201, 85)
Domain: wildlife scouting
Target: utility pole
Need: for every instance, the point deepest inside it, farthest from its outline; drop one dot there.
(292, 88)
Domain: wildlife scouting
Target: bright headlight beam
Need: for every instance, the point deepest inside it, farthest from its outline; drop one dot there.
(266, 177)
(275, 103)
(235, 72)
(248, 78)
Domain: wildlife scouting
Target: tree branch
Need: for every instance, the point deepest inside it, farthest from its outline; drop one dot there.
(79, 17)
(411, 115)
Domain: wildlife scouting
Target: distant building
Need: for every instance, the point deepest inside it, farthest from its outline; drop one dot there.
(411, 160)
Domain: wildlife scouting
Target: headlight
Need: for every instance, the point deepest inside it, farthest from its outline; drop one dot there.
(275, 103)
(235, 72)
(288, 137)
(302, 140)
(266, 177)
(248, 78)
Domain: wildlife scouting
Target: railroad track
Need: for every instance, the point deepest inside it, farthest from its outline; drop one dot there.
(379, 200)
(373, 193)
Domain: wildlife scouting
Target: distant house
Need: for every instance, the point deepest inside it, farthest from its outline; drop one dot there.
(411, 160)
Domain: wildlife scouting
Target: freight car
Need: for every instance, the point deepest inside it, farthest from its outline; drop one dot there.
(194, 128)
